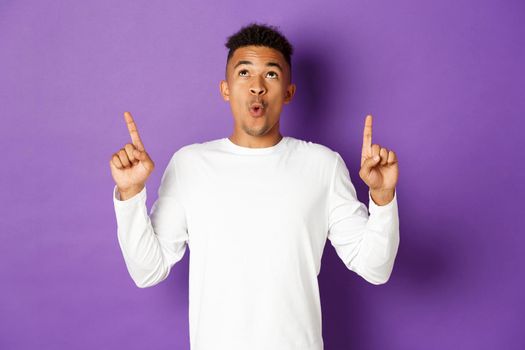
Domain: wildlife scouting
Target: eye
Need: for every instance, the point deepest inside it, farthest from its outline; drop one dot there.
(241, 73)
(275, 75)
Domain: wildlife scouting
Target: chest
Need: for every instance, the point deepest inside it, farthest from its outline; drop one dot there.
(257, 201)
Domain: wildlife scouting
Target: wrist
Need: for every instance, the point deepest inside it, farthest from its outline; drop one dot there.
(129, 192)
(382, 197)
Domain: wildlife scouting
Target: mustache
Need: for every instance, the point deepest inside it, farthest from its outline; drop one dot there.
(263, 103)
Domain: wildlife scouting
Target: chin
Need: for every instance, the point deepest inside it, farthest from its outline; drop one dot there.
(256, 131)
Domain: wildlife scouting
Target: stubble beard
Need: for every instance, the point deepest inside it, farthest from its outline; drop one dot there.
(256, 131)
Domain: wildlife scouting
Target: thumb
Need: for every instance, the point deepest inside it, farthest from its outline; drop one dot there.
(369, 163)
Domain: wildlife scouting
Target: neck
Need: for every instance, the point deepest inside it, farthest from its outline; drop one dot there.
(246, 140)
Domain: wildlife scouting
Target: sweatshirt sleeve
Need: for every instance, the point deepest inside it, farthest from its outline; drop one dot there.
(366, 244)
(152, 244)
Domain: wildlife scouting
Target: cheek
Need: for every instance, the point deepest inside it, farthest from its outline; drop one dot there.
(282, 92)
(235, 96)
(278, 98)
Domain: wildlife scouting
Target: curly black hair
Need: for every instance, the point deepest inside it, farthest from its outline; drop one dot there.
(260, 35)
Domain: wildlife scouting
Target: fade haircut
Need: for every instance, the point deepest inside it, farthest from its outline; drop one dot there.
(260, 35)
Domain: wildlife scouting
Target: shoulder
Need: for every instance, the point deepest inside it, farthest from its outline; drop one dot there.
(193, 151)
(313, 150)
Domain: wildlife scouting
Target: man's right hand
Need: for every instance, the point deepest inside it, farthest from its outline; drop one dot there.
(131, 165)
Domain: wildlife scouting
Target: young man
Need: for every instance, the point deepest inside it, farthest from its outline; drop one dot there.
(255, 209)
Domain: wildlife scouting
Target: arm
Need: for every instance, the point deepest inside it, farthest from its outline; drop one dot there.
(152, 244)
(366, 244)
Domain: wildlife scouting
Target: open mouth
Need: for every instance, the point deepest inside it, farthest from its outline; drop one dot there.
(256, 110)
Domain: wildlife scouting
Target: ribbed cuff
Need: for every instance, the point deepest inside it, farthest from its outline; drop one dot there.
(375, 207)
(141, 196)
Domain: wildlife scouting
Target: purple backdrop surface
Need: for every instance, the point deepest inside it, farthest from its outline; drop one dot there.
(444, 81)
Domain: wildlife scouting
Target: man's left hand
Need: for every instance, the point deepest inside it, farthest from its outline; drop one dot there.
(381, 173)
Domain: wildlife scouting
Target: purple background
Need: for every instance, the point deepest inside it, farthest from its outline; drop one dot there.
(444, 81)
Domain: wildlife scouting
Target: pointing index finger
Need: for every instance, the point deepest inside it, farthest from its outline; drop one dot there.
(134, 133)
(367, 137)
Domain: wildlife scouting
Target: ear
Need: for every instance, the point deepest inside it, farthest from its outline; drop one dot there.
(290, 92)
(225, 91)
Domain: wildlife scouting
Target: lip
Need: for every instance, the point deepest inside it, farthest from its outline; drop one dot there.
(256, 109)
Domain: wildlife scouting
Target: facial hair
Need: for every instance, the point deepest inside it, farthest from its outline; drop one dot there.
(263, 129)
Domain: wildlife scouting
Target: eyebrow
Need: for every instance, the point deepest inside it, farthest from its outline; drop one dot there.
(269, 64)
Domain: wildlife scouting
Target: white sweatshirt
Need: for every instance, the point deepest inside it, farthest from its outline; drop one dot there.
(256, 221)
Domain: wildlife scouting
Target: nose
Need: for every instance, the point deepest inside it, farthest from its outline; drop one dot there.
(257, 88)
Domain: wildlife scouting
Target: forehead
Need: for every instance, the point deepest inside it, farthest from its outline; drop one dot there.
(257, 54)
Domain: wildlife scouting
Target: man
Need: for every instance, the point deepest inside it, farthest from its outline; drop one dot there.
(255, 209)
